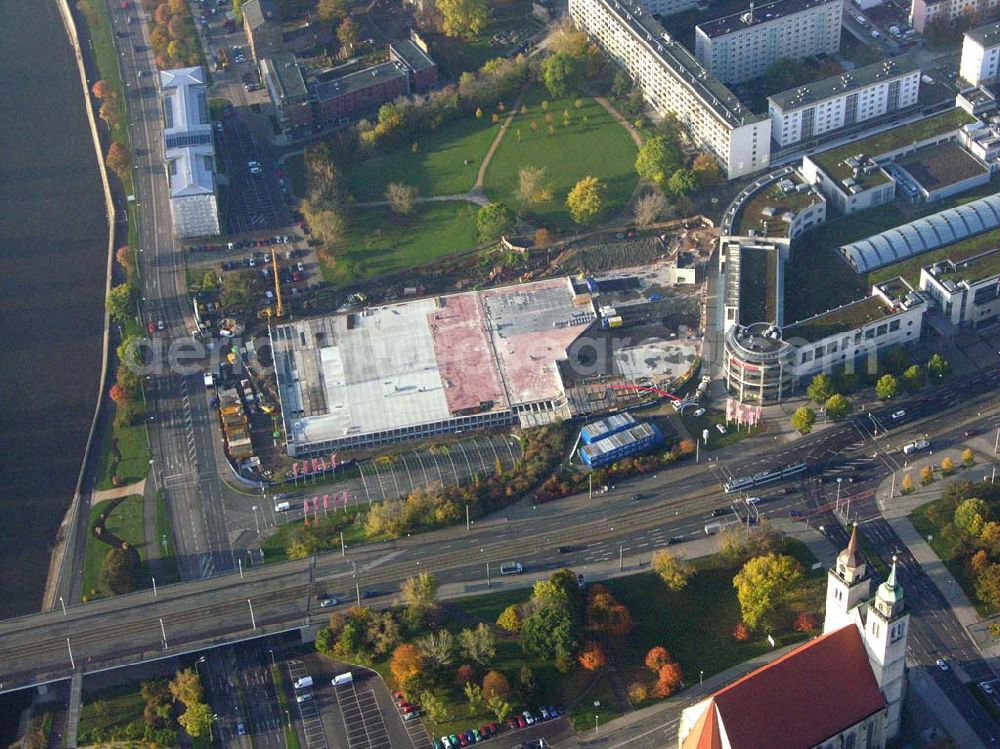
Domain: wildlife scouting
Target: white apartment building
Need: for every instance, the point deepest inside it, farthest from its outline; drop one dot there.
(744, 45)
(189, 152)
(673, 81)
(843, 100)
(967, 291)
(981, 55)
(926, 12)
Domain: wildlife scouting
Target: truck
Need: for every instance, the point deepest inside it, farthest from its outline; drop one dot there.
(615, 321)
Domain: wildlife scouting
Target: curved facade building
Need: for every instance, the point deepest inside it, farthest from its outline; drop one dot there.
(758, 364)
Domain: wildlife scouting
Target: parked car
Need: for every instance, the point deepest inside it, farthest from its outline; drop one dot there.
(721, 428)
(942, 665)
(986, 687)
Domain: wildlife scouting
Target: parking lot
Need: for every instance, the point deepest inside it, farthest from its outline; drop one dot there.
(251, 205)
(362, 717)
(312, 723)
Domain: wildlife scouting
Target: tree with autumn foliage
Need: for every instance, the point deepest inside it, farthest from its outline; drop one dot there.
(668, 679)
(116, 393)
(804, 622)
(495, 684)
(100, 89)
(118, 159)
(592, 657)
(657, 658)
(741, 632)
(464, 674)
(406, 665)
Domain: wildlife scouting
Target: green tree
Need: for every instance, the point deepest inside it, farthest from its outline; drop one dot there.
(895, 360)
(837, 407)
(209, 280)
(971, 516)
(186, 687)
(383, 633)
(674, 573)
(435, 707)
(559, 73)
(803, 419)
(657, 159)
(912, 379)
(351, 640)
(492, 221)
(238, 10)
(324, 641)
(682, 182)
(584, 200)
(820, 388)
(479, 644)
(121, 302)
(499, 707)
(764, 585)
(240, 292)
(328, 11)
(419, 594)
(886, 387)
(706, 169)
(474, 694)
(464, 18)
(548, 634)
(527, 685)
(938, 369)
(196, 719)
(119, 571)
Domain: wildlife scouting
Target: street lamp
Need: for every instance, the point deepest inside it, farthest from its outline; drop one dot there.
(839, 482)
(275, 665)
(196, 669)
(256, 522)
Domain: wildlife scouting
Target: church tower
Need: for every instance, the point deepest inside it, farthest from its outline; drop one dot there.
(847, 586)
(887, 626)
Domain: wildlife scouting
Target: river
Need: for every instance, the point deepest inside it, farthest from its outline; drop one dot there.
(53, 242)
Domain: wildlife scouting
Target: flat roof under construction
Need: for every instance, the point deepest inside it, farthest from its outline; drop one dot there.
(426, 361)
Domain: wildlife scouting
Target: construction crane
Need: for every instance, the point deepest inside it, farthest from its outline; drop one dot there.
(278, 308)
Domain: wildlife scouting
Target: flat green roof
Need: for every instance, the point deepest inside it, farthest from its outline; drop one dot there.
(841, 320)
(973, 269)
(942, 165)
(832, 161)
(751, 213)
(758, 285)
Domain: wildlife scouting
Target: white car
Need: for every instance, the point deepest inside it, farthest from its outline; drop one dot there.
(986, 687)
(327, 602)
(942, 665)
(699, 412)
(915, 447)
(721, 428)
(900, 414)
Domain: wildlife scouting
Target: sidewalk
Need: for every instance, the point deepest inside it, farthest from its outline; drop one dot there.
(139, 487)
(896, 510)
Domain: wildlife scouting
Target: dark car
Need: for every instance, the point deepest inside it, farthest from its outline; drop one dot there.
(470, 737)
(567, 549)
(970, 433)
(719, 512)
(636, 497)
(674, 540)
(370, 594)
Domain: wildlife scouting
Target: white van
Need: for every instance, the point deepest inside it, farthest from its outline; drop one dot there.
(304, 697)
(342, 679)
(753, 500)
(914, 447)
(282, 507)
(511, 568)
(303, 682)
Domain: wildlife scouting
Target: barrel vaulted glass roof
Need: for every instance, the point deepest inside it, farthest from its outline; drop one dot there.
(924, 234)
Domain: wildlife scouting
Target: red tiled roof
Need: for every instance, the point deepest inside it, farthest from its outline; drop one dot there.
(796, 701)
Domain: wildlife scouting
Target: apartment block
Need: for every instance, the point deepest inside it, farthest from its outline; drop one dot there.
(926, 12)
(672, 80)
(843, 100)
(744, 45)
(981, 55)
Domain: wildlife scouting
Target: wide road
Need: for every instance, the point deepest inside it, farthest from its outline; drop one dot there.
(574, 532)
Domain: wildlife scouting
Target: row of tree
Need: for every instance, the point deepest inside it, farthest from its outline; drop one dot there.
(895, 374)
(122, 302)
(173, 35)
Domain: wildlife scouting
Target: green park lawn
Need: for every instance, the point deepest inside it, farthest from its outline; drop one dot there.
(378, 242)
(599, 147)
(695, 624)
(125, 522)
(110, 708)
(436, 168)
(134, 463)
